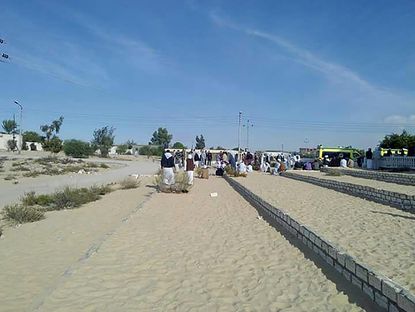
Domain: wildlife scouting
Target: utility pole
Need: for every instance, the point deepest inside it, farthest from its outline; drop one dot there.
(20, 127)
(248, 125)
(239, 133)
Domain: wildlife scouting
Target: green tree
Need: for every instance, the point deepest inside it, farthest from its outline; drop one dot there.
(150, 150)
(103, 139)
(9, 126)
(161, 137)
(178, 145)
(53, 145)
(200, 142)
(52, 129)
(31, 136)
(77, 148)
(122, 149)
(394, 140)
(52, 142)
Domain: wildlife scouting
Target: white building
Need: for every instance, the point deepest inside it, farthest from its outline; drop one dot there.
(4, 138)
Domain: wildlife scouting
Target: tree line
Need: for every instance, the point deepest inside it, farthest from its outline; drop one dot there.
(102, 141)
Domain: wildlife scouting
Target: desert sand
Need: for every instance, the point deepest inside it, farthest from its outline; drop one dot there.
(175, 253)
(377, 235)
(393, 187)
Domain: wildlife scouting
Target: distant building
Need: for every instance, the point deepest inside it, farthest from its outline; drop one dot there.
(4, 138)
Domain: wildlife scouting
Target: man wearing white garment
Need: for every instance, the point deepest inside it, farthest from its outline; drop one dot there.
(167, 165)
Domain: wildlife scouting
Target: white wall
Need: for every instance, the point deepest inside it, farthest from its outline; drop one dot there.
(6, 137)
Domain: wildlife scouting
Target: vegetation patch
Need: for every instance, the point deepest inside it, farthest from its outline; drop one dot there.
(18, 213)
(181, 184)
(129, 183)
(32, 207)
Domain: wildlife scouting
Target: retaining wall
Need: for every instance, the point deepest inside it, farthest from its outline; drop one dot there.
(388, 295)
(398, 178)
(393, 199)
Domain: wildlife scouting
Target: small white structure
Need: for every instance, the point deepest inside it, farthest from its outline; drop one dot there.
(34, 146)
(4, 138)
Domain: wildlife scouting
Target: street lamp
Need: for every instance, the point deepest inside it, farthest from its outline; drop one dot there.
(20, 128)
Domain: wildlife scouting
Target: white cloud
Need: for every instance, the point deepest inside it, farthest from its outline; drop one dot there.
(359, 89)
(400, 120)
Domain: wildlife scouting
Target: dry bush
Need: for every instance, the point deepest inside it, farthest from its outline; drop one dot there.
(181, 184)
(18, 214)
(234, 173)
(129, 183)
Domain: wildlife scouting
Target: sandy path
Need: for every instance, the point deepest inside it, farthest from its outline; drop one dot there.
(393, 187)
(380, 236)
(46, 184)
(197, 253)
(35, 257)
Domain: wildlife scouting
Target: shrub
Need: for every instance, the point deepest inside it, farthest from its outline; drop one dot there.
(12, 145)
(72, 198)
(129, 183)
(121, 149)
(101, 190)
(181, 184)
(150, 150)
(54, 145)
(77, 149)
(31, 199)
(104, 166)
(17, 213)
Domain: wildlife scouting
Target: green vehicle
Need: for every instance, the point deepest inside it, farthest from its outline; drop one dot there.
(338, 152)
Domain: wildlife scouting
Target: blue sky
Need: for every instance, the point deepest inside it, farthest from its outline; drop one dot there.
(303, 72)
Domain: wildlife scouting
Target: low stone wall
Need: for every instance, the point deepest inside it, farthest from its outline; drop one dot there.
(388, 295)
(393, 199)
(398, 178)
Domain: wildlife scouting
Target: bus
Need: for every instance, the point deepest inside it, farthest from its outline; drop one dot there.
(338, 152)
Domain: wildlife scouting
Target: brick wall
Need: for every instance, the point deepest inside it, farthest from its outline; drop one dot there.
(388, 295)
(393, 199)
(398, 178)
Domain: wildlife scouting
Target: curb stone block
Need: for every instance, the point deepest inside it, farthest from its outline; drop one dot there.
(347, 275)
(381, 300)
(356, 281)
(393, 308)
(406, 301)
(338, 267)
(375, 281)
(361, 273)
(390, 289)
(351, 264)
(369, 291)
(341, 258)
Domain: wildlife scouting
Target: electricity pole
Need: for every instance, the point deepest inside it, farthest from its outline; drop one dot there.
(239, 133)
(21, 123)
(248, 125)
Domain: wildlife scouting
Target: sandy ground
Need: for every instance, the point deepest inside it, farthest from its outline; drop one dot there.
(10, 192)
(380, 236)
(35, 257)
(393, 187)
(188, 252)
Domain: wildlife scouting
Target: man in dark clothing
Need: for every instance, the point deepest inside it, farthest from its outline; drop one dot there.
(369, 156)
(167, 165)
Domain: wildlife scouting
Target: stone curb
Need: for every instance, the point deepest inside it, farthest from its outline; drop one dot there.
(398, 178)
(393, 199)
(388, 295)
